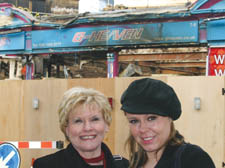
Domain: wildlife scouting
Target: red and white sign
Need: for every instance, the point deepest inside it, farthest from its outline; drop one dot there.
(216, 62)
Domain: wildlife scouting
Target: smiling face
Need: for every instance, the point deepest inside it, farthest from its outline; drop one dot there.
(86, 129)
(149, 130)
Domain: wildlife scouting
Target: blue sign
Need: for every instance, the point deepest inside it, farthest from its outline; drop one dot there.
(9, 156)
(215, 30)
(150, 33)
(13, 41)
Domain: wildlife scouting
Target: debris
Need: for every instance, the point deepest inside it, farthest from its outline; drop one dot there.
(131, 70)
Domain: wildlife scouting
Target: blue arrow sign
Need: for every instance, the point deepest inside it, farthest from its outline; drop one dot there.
(9, 156)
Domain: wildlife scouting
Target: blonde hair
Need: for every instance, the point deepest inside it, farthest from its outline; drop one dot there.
(76, 96)
(138, 156)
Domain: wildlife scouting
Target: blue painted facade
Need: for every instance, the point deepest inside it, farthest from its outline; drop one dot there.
(201, 24)
(129, 34)
(12, 41)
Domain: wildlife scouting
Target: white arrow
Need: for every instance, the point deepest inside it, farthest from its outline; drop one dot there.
(5, 161)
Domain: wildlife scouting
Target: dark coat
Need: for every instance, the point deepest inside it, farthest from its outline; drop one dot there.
(191, 157)
(69, 158)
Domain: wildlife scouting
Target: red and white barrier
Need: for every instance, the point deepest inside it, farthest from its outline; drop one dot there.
(36, 144)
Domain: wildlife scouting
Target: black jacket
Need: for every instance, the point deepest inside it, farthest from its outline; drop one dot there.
(192, 156)
(69, 158)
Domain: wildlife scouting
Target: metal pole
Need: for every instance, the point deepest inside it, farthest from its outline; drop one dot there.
(112, 63)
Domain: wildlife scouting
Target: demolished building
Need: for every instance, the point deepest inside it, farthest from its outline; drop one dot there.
(161, 40)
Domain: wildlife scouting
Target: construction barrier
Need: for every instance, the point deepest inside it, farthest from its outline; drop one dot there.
(36, 144)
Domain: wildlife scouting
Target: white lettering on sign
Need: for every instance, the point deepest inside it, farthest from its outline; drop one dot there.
(219, 72)
(219, 59)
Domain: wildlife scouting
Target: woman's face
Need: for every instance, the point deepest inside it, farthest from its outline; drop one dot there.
(149, 130)
(86, 129)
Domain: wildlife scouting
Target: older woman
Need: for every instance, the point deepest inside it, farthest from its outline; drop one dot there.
(85, 117)
(151, 106)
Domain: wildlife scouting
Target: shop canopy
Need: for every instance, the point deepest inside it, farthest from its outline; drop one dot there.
(201, 23)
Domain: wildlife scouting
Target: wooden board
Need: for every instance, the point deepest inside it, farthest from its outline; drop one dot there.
(11, 114)
(20, 122)
(41, 124)
(202, 127)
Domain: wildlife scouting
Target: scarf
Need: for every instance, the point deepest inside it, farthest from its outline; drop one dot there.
(96, 159)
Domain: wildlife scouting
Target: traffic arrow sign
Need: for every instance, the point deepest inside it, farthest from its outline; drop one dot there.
(9, 156)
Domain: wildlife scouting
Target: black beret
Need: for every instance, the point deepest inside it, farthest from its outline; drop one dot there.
(151, 96)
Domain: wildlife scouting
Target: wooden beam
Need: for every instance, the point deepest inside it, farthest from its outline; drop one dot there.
(178, 70)
(174, 64)
(163, 57)
(187, 71)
